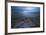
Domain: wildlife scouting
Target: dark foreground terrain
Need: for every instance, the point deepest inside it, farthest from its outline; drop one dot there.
(25, 22)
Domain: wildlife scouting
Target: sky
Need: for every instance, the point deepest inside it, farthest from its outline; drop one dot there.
(25, 11)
